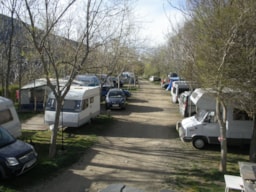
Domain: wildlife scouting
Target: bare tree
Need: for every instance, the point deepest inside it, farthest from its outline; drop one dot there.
(62, 50)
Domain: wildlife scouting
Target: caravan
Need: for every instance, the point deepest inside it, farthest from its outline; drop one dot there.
(81, 104)
(9, 118)
(203, 128)
(179, 87)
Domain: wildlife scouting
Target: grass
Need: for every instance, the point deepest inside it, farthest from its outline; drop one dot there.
(197, 170)
(69, 150)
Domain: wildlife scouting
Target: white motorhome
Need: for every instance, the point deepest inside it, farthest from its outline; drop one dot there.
(179, 87)
(9, 118)
(81, 104)
(203, 128)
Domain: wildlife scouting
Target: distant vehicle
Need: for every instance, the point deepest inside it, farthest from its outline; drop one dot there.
(81, 104)
(115, 81)
(154, 78)
(115, 98)
(127, 77)
(127, 93)
(16, 156)
(88, 80)
(171, 80)
(105, 80)
(172, 74)
(9, 118)
(179, 87)
(186, 107)
(166, 80)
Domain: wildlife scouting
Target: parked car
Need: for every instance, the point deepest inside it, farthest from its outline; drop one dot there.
(154, 78)
(186, 107)
(127, 93)
(115, 98)
(16, 156)
(88, 80)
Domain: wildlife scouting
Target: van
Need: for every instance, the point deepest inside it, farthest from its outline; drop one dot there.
(81, 105)
(203, 128)
(186, 107)
(8, 117)
(178, 87)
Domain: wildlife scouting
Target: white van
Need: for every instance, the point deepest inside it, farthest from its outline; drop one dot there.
(81, 104)
(179, 87)
(203, 128)
(9, 118)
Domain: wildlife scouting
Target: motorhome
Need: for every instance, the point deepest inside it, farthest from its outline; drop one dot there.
(179, 87)
(203, 128)
(9, 118)
(186, 107)
(81, 104)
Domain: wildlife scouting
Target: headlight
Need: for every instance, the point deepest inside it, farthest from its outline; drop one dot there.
(11, 161)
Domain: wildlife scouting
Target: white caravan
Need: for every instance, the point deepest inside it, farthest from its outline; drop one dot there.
(9, 118)
(81, 104)
(179, 87)
(203, 128)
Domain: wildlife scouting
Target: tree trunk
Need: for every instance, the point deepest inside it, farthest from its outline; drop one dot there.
(253, 142)
(222, 138)
(53, 142)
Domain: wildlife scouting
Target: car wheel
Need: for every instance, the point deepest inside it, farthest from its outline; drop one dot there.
(199, 142)
(2, 173)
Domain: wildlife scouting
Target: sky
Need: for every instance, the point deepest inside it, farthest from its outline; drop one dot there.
(157, 17)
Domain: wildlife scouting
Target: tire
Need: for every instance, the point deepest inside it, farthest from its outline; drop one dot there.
(199, 142)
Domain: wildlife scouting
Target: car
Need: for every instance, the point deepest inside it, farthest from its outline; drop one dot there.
(88, 80)
(127, 93)
(16, 156)
(115, 98)
(154, 78)
(186, 107)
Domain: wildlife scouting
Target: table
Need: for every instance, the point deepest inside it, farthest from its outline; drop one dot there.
(248, 174)
(233, 182)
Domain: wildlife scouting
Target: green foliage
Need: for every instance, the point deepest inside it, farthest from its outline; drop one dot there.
(11, 92)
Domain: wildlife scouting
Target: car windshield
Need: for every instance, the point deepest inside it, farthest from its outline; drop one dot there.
(116, 94)
(200, 116)
(5, 138)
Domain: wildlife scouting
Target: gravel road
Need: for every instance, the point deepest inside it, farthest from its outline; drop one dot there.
(136, 151)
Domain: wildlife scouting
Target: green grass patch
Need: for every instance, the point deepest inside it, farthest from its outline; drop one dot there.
(23, 116)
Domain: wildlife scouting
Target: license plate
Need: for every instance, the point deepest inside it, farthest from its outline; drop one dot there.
(115, 105)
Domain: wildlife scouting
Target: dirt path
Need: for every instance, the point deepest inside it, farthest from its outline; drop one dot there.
(134, 152)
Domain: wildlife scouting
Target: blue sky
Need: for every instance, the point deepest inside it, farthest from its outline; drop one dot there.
(157, 18)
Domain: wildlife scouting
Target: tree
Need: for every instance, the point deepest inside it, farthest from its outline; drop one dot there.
(9, 7)
(214, 29)
(59, 46)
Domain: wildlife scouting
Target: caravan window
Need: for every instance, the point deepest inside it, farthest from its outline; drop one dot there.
(91, 99)
(6, 116)
(72, 105)
(240, 115)
(85, 104)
